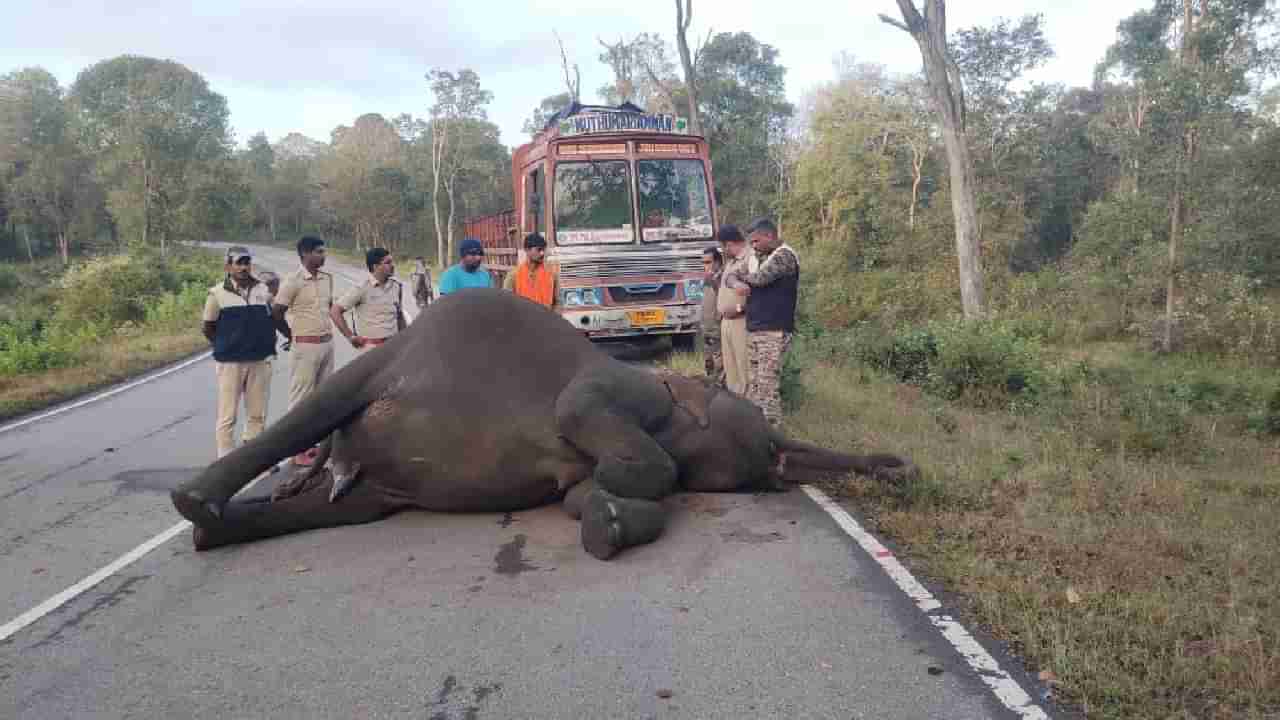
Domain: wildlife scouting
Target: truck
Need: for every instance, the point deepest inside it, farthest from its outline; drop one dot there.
(627, 204)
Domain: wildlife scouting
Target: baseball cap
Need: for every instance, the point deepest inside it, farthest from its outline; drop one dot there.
(471, 246)
(235, 252)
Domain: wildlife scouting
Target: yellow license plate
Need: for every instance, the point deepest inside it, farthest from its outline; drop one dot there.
(647, 317)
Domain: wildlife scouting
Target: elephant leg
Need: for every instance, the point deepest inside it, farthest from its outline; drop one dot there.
(576, 498)
(245, 521)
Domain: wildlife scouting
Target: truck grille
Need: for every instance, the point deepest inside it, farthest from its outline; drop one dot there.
(620, 267)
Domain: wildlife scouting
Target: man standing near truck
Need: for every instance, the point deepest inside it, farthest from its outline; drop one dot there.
(771, 293)
(732, 310)
(468, 273)
(533, 279)
(376, 304)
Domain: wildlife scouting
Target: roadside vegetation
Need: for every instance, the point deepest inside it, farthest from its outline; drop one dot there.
(101, 320)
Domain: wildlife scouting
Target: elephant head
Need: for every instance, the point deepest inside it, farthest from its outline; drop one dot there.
(722, 442)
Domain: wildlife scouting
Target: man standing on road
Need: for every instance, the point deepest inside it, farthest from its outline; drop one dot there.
(732, 309)
(237, 321)
(771, 314)
(301, 310)
(376, 304)
(533, 279)
(469, 273)
(420, 282)
(712, 358)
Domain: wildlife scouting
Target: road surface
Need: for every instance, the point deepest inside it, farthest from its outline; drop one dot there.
(749, 606)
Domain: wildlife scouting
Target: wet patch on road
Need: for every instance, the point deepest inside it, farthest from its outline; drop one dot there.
(453, 704)
(750, 537)
(510, 559)
(109, 599)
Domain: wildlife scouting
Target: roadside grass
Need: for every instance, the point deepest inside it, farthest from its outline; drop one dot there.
(1137, 584)
(107, 319)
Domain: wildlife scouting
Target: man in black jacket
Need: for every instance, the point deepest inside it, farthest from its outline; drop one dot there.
(237, 321)
(771, 314)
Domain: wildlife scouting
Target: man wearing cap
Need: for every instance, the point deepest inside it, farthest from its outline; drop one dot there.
(238, 323)
(301, 309)
(469, 273)
(533, 279)
(376, 304)
(770, 293)
(732, 309)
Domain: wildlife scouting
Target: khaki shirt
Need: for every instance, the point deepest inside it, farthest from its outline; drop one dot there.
(308, 299)
(377, 308)
(727, 299)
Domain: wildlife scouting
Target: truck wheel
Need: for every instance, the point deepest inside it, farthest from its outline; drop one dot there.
(684, 342)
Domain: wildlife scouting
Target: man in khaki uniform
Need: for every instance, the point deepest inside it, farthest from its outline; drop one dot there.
(301, 309)
(375, 303)
(733, 315)
(237, 322)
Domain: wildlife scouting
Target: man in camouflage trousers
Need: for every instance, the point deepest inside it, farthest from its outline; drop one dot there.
(771, 293)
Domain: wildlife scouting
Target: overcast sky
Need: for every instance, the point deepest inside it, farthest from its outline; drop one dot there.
(310, 66)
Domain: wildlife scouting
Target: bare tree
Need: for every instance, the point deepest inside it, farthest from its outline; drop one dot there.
(573, 84)
(947, 91)
(684, 16)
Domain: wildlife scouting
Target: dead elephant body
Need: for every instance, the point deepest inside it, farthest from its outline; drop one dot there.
(489, 402)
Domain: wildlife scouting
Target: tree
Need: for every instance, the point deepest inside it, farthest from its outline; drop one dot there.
(151, 126)
(1193, 57)
(947, 91)
(549, 106)
(458, 97)
(689, 62)
(50, 184)
(260, 171)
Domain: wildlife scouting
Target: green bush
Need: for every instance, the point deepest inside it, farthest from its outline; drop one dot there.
(10, 279)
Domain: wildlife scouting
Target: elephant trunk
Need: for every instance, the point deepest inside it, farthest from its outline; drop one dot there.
(803, 456)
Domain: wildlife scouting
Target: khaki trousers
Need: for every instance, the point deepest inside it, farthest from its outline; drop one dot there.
(737, 360)
(250, 380)
(309, 365)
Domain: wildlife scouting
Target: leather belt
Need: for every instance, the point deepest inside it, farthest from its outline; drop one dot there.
(312, 338)
(375, 341)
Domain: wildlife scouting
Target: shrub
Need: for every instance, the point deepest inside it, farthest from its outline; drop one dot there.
(10, 279)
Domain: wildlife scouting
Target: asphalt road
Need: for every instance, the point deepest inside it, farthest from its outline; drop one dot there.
(749, 606)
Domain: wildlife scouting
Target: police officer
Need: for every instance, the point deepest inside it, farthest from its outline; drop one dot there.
(376, 304)
(770, 292)
(237, 321)
(301, 310)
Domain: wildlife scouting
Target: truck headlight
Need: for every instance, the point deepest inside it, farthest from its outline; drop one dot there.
(693, 289)
(591, 296)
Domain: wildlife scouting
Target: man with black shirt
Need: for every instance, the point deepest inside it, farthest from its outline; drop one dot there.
(771, 314)
(238, 322)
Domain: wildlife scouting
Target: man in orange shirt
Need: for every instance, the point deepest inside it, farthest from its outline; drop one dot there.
(533, 279)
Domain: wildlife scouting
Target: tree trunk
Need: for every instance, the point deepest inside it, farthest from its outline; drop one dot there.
(26, 235)
(917, 162)
(146, 202)
(164, 242)
(448, 189)
(947, 92)
(439, 136)
(684, 16)
(64, 248)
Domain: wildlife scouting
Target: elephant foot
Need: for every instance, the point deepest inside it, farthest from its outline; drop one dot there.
(611, 523)
(601, 528)
(194, 506)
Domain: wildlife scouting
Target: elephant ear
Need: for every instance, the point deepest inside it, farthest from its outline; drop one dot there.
(694, 396)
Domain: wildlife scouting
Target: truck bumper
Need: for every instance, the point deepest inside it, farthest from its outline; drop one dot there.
(634, 322)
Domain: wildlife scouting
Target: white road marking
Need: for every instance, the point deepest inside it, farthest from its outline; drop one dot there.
(1005, 688)
(106, 394)
(120, 563)
(13, 626)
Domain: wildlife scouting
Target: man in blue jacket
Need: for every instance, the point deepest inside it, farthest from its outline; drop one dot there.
(237, 321)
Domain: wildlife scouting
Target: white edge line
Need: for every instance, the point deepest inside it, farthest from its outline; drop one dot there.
(106, 394)
(1005, 688)
(13, 626)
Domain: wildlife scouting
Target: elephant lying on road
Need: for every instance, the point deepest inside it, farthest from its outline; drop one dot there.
(489, 402)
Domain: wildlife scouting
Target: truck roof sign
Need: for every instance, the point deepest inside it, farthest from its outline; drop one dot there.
(611, 122)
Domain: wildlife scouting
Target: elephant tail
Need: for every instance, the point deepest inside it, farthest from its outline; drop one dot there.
(333, 404)
(803, 456)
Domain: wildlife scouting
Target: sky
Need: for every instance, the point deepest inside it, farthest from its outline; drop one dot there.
(311, 66)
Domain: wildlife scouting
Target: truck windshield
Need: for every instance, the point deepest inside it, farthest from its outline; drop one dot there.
(593, 203)
(673, 200)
